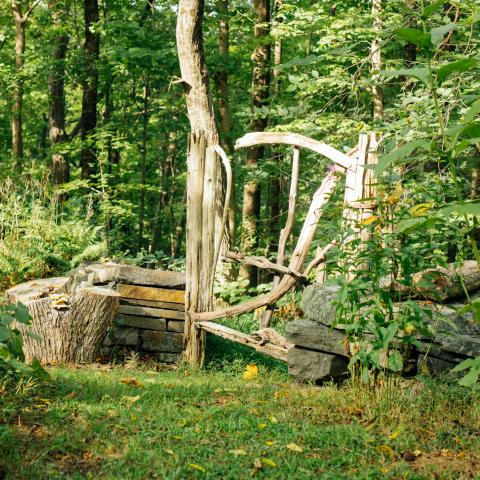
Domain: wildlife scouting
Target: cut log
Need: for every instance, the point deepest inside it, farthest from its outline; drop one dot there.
(35, 289)
(150, 293)
(71, 328)
(269, 349)
(151, 312)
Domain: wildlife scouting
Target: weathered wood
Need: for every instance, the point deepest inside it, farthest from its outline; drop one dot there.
(151, 293)
(304, 241)
(154, 341)
(180, 307)
(261, 262)
(34, 289)
(274, 351)
(70, 331)
(151, 312)
(175, 326)
(148, 323)
(285, 138)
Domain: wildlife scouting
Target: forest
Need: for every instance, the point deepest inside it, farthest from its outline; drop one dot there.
(154, 139)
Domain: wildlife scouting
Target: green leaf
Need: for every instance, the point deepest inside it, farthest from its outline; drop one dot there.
(414, 35)
(401, 154)
(472, 112)
(452, 67)
(437, 34)
(21, 314)
(395, 362)
(410, 224)
(421, 74)
(469, 208)
(433, 8)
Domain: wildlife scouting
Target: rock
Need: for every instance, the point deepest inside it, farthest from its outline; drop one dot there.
(154, 341)
(318, 302)
(148, 323)
(168, 357)
(122, 336)
(309, 365)
(310, 334)
(434, 366)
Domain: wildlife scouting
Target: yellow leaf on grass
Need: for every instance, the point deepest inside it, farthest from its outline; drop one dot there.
(395, 434)
(261, 426)
(294, 447)
(369, 220)
(386, 450)
(133, 382)
(251, 371)
(269, 443)
(129, 399)
(238, 452)
(273, 419)
(417, 453)
(170, 451)
(268, 462)
(255, 411)
(195, 466)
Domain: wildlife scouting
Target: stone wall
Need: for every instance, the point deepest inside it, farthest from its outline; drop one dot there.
(320, 351)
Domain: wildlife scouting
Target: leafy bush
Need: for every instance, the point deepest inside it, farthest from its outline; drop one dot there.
(36, 238)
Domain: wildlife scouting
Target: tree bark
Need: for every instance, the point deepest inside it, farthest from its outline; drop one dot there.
(71, 327)
(202, 180)
(260, 94)
(88, 155)
(143, 158)
(226, 124)
(56, 88)
(376, 56)
(410, 49)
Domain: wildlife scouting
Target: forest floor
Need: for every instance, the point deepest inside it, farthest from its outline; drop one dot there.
(148, 421)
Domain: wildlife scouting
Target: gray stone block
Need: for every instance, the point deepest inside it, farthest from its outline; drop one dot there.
(149, 323)
(310, 365)
(318, 302)
(168, 357)
(313, 335)
(153, 341)
(122, 336)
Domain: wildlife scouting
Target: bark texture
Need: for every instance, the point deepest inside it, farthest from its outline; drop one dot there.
(260, 95)
(88, 154)
(56, 89)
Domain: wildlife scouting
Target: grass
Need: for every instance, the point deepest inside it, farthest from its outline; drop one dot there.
(88, 422)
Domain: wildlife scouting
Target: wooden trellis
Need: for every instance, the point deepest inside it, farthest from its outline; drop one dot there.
(359, 187)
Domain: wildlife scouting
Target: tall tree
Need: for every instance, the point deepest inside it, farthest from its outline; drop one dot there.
(143, 159)
(202, 180)
(260, 95)
(88, 121)
(221, 83)
(56, 88)
(20, 13)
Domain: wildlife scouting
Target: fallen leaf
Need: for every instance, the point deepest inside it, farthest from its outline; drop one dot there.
(369, 220)
(395, 434)
(133, 382)
(238, 452)
(257, 464)
(294, 447)
(170, 451)
(261, 426)
(177, 437)
(269, 443)
(195, 466)
(269, 462)
(251, 371)
(112, 413)
(129, 399)
(417, 453)
(386, 450)
(255, 411)
(273, 419)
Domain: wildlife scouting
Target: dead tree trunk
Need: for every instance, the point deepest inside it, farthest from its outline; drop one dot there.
(56, 89)
(71, 328)
(88, 154)
(260, 94)
(202, 182)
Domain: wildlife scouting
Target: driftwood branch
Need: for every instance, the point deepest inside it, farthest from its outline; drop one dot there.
(304, 241)
(281, 138)
(269, 349)
(261, 262)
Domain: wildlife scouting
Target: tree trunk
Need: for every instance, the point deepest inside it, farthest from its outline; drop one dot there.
(71, 328)
(143, 158)
(202, 182)
(20, 21)
(56, 88)
(88, 154)
(260, 94)
(410, 49)
(179, 229)
(226, 124)
(376, 55)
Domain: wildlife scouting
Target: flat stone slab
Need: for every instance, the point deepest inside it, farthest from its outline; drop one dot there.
(318, 302)
(154, 341)
(314, 366)
(310, 334)
(147, 323)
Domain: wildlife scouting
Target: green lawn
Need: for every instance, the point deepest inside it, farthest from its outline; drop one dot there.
(87, 423)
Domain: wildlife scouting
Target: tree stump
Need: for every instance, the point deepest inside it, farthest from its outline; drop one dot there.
(70, 326)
